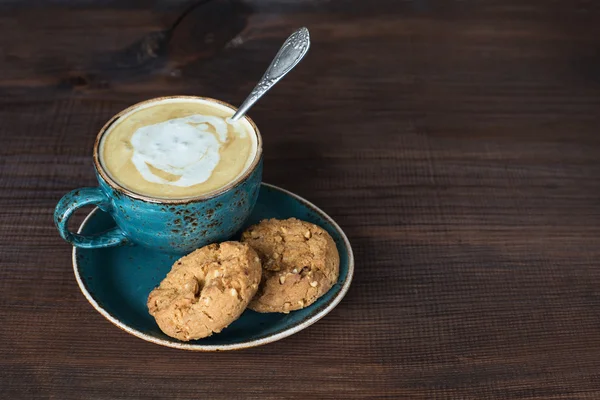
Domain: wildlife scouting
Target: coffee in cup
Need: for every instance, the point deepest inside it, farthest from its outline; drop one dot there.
(177, 148)
(174, 173)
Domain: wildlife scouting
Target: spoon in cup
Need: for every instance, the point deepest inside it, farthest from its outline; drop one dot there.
(288, 56)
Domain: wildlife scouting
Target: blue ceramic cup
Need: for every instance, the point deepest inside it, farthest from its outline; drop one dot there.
(169, 225)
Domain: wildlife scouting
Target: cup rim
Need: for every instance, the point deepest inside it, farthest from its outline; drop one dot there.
(116, 186)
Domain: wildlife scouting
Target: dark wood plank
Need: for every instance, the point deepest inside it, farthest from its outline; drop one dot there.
(456, 142)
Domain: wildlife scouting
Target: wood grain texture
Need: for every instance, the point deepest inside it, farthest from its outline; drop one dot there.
(456, 142)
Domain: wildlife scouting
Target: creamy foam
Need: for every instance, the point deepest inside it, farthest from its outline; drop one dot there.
(177, 148)
(183, 147)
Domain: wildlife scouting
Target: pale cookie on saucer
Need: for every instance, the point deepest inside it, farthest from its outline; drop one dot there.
(300, 263)
(206, 290)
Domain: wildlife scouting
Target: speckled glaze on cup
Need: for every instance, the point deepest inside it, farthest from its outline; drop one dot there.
(168, 225)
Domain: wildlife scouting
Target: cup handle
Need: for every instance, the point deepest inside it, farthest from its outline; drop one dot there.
(77, 199)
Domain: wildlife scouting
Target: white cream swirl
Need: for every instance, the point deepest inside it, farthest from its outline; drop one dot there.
(184, 147)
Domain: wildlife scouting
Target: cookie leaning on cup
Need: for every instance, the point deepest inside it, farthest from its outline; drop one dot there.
(300, 263)
(206, 290)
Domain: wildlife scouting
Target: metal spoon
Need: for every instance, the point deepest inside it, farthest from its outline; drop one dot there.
(290, 54)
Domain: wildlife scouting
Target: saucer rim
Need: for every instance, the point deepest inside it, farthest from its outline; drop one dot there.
(237, 346)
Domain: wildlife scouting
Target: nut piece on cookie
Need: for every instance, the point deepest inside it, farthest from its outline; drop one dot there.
(206, 290)
(300, 263)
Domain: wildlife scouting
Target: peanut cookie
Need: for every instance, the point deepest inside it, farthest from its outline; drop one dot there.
(206, 290)
(300, 263)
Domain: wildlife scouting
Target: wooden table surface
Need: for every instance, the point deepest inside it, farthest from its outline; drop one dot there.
(456, 142)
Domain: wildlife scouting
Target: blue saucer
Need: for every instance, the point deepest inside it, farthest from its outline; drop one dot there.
(117, 281)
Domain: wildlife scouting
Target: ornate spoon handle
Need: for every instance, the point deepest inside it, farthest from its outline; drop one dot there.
(290, 54)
